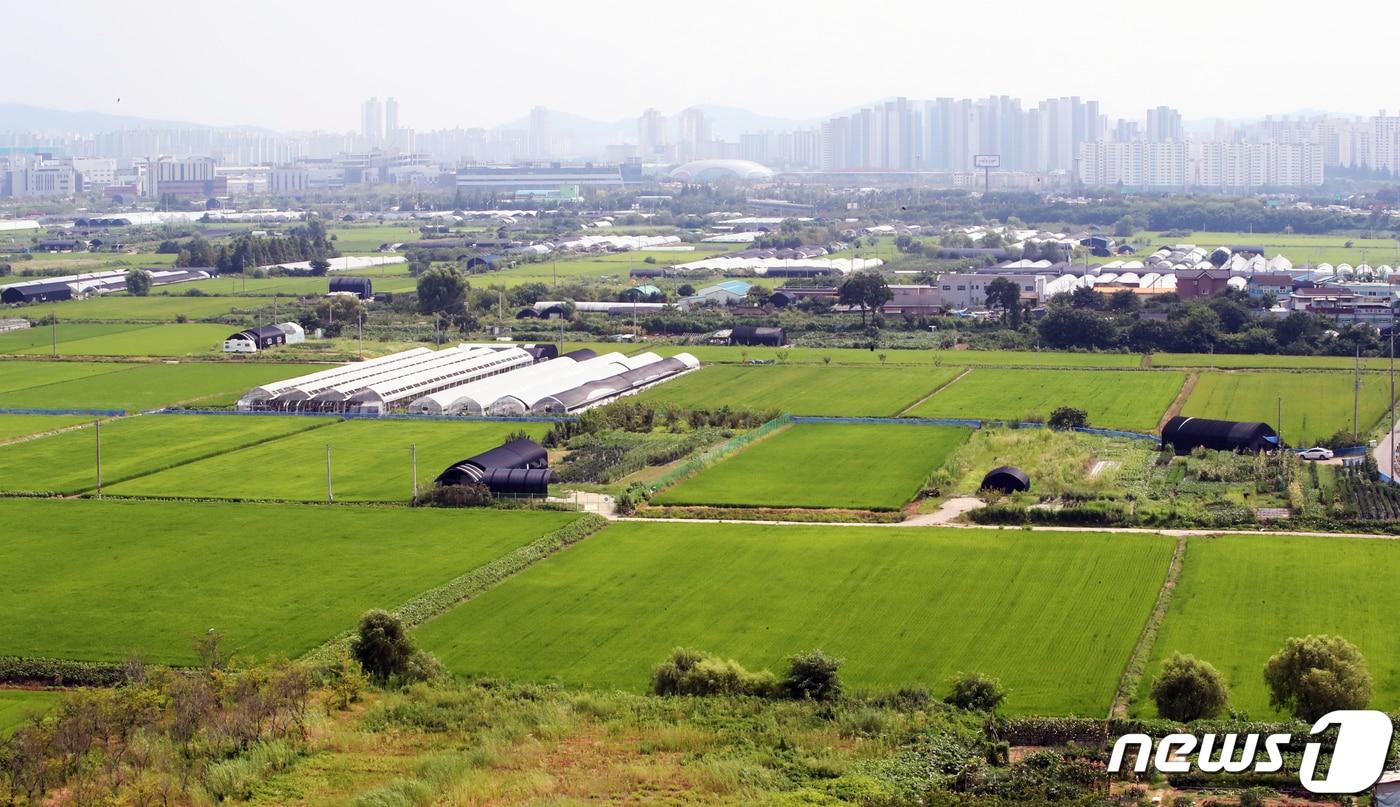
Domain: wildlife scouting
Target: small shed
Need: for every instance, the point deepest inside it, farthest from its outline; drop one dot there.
(521, 453)
(1186, 433)
(1006, 479)
(254, 339)
(519, 481)
(361, 287)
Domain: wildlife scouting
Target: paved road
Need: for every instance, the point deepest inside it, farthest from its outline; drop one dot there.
(1382, 453)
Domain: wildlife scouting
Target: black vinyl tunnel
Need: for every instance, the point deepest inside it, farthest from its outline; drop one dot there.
(1006, 479)
(517, 454)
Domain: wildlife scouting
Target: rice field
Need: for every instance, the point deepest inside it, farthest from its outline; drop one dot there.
(1265, 362)
(155, 308)
(614, 266)
(14, 427)
(1054, 616)
(804, 389)
(134, 386)
(130, 340)
(861, 466)
(371, 460)
(1315, 405)
(1132, 401)
(132, 446)
(1241, 597)
(101, 580)
(1298, 248)
(896, 356)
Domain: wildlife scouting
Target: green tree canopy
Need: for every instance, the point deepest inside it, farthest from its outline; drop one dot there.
(1189, 689)
(1314, 675)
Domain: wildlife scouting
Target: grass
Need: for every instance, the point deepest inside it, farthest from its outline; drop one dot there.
(149, 340)
(1117, 400)
(370, 461)
(1264, 361)
(1057, 462)
(1054, 616)
(15, 426)
(1297, 248)
(805, 389)
(895, 356)
(1315, 405)
(39, 339)
(132, 446)
(1241, 597)
(16, 705)
(353, 238)
(100, 580)
(861, 466)
(613, 266)
(134, 386)
(155, 308)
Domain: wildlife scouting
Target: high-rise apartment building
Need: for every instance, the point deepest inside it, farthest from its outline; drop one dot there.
(372, 121)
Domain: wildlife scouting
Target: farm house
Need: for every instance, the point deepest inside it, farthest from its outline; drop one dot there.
(252, 340)
(360, 287)
(1186, 433)
(1006, 479)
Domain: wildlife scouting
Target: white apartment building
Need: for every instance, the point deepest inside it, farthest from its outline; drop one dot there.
(1138, 164)
(1242, 166)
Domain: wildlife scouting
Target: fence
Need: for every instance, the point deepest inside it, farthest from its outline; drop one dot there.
(367, 416)
(111, 413)
(722, 450)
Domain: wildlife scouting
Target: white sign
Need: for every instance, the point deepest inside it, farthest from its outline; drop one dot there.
(987, 161)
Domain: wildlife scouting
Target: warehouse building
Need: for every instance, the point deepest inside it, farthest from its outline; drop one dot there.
(1185, 433)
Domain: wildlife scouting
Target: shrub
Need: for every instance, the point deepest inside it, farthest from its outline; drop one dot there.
(1315, 675)
(475, 495)
(975, 692)
(1189, 689)
(1066, 418)
(690, 672)
(382, 646)
(812, 676)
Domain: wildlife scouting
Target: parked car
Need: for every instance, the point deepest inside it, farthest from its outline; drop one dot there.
(1316, 453)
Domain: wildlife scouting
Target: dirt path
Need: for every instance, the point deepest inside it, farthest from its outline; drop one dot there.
(915, 405)
(1175, 408)
(947, 512)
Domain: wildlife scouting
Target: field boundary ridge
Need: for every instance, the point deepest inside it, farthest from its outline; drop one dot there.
(1142, 651)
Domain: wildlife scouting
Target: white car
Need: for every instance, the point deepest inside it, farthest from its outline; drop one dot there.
(1316, 453)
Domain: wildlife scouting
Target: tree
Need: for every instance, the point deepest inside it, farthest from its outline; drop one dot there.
(1124, 227)
(975, 692)
(1067, 417)
(1066, 327)
(1189, 689)
(686, 290)
(1005, 294)
(1315, 675)
(866, 289)
(812, 676)
(320, 266)
(138, 282)
(1123, 302)
(442, 290)
(1086, 297)
(382, 646)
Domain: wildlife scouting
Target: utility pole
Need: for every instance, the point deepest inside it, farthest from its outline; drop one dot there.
(53, 332)
(97, 429)
(1391, 437)
(330, 494)
(1356, 395)
(414, 449)
(1279, 420)
(360, 333)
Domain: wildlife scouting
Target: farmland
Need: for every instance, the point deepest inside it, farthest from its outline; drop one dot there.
(1054, 616)
(370, 460)
(1298, 248)
(15, 426)
(133, 386)
(155, 308)
(1117, 400)
(849, 465)
(892, 356)
(101, 580)
(1315, 405)
(614, 266)
(1265, 361)
(1241, 597)
(806, 389)
(18, 704)
(39, 338)
(132, 446)
(149, 340)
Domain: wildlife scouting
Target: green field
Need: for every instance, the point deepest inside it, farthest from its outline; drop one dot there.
(1115, 400)
(805, 389)
(862, 466)
(133, 386)
(1054, 616)
(613, 267)
(16, 705)
(1265, 362)
(13, 427)
(1297, 248)
(371, 460)
(894, 356)
(133, 340)
(1315, 405)
(40, 338)
(1241, 597)
(390, 277)
(102, 580)
(360, 238)
(155, 308)
(132, 446)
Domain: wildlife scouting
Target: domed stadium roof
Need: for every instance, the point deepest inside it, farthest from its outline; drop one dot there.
(719, 170)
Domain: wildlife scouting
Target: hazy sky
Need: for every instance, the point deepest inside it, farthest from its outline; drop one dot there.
(303, 64)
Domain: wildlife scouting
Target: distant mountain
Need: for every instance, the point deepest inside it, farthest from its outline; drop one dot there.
(593, 136)
(730, 122)
(26, 118)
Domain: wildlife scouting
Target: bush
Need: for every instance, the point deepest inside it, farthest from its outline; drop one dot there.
(475, 495)
(1315, 675)
(1067, 417)
(975, 692)
(1189, 689)
(812, 676)
(690, 672)
(382, 646)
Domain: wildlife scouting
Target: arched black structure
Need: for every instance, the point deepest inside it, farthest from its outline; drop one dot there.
(522, 453)
(1006, 479)
(1186, 433)
(519, 481)
(751, 335)
(359, 286)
